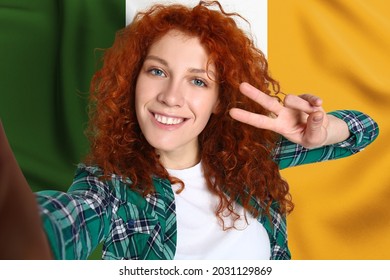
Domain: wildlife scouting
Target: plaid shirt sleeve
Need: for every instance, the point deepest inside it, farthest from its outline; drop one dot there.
(93, 211)
(363, 130)
(75, 222)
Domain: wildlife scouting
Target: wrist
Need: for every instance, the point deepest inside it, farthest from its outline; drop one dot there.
(337, 130)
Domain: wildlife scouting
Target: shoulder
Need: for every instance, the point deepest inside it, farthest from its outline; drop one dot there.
(84, 170)
(93, 174)
(91, 179)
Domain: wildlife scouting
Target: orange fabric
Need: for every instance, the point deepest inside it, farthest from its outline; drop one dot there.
(340, 51)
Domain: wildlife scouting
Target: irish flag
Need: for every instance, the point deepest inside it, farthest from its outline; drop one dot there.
(338, 50)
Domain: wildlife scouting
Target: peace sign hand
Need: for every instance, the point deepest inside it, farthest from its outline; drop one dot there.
(301, 119)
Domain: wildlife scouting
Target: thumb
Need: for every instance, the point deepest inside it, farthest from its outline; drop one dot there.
(314, 134)
(315, 120)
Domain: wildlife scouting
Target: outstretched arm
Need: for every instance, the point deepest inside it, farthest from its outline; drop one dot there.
(21, 232)
(309, 135)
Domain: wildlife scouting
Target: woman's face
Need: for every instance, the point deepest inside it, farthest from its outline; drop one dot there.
(175, 97)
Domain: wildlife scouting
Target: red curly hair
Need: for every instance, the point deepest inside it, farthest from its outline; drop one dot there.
(236, 158)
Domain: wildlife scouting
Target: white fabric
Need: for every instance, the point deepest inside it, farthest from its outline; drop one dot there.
(254, 11)
(199, 233)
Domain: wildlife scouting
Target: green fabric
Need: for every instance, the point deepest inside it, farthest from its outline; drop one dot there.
(48, 55)
(132, 227)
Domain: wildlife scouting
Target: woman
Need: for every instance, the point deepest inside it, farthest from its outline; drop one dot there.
(187, 138)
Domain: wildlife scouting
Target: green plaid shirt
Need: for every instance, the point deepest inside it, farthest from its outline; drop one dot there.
(134, 227)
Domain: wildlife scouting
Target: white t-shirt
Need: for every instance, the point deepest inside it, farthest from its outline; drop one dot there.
(199, 232)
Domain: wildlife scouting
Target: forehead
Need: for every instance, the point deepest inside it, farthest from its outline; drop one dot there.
(178, 47)
(175, 37)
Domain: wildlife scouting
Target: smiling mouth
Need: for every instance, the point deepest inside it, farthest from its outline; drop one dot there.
(168, 120)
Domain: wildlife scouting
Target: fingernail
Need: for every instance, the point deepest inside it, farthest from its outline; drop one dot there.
(317, 118)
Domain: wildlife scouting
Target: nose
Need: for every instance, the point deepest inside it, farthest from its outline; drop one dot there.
(172, 94)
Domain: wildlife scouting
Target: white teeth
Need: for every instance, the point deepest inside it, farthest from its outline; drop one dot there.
(167, 120)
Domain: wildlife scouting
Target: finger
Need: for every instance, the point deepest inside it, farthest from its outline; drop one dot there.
(256, 120)
(299, 103)
(314, 133)
(268, 102)
(312, 99)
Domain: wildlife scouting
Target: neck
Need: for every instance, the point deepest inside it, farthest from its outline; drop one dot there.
(180, 158)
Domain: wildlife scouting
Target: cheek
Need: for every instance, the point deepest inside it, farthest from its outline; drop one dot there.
(141, 92)
(139, 101)
(204, 109)
(145, 91)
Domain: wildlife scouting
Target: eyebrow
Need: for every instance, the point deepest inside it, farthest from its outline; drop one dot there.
(153, 57)
(191, 70)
